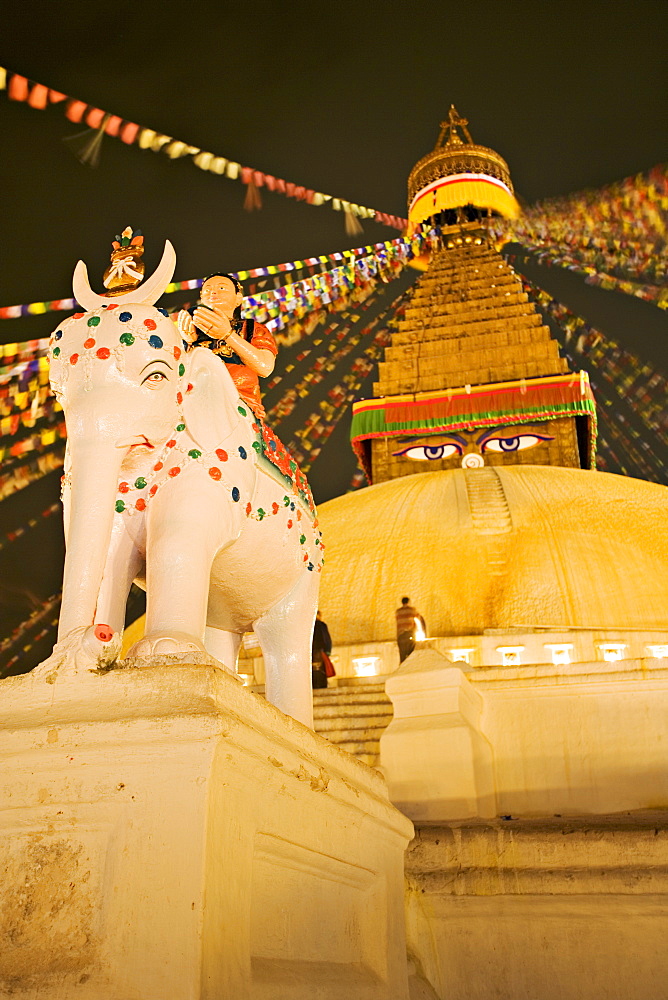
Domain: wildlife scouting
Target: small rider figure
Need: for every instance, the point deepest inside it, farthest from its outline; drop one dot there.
(246, 347)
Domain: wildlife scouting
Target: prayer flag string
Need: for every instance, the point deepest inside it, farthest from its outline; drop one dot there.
(39, 96)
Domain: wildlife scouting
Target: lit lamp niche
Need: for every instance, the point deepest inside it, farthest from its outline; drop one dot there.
(611, 651)
(366, 666)
(460, 655)
(511, 656)
(658, 652)
(561, 652)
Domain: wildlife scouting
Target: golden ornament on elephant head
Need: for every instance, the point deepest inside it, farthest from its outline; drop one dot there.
(126, 269)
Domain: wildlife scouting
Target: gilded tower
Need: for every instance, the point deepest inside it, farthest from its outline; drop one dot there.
(472, 376)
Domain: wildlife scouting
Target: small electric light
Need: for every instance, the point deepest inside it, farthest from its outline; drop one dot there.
(561, 652)
(460, 655)
(611, 651)
(510, 655)
(365, 666)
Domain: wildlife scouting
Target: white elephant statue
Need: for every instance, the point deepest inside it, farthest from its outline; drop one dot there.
(166, 483)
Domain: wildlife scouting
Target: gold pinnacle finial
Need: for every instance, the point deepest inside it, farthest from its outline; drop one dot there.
(449, 135)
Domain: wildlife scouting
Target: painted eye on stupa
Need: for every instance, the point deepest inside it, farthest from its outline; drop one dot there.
(429, 453)
(518, 442)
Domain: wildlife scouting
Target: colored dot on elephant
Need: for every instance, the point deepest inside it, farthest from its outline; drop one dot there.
(194, 453)
(56, 352)
(140, 483)
(127, 338)
(179, 398)
(155, 341)
(153, 490)
(175, 471)
(249, 508)
(241, 411)
(74, 358)
(177, 353)
(274, 508)
(94, 321)
(180, 427)
(141, 504)
(242, 452)
(123, 487)
(289, 524)
(125, 317)
(150, 324)
(58, 334)
(302, 539)
(221, 454)
(120, 506)
(214, 472)
(89, 343)
(110, 307)
(103, 353)
(182, 369)
(157, 467)
(310, 566)
(78, 315)
(235, 494)
(171, 444)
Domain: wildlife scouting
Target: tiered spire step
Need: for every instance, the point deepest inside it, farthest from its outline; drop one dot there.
(468, 323)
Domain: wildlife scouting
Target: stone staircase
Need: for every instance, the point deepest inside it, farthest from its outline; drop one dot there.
(353, 716)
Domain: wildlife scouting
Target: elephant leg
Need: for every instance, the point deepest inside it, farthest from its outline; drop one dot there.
(285, 633)
(224, 646)
(180, 548)
(124, 562)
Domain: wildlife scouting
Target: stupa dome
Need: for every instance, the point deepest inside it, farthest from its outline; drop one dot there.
(496, 548)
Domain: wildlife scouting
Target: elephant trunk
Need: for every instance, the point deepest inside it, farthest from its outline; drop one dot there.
(95, 475)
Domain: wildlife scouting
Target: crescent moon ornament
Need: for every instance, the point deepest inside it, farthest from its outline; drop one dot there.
(146, 294)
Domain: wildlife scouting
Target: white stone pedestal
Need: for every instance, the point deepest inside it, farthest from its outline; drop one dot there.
(437, 761)
(167, 835)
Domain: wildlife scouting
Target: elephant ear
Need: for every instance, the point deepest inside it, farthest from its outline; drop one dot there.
(210, 407)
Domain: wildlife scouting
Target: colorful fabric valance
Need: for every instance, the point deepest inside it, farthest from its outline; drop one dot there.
(470, 406)
(450, 192)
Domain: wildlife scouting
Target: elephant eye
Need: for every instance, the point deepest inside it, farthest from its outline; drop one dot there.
(153, 379)
(429, 453)
(516, 443)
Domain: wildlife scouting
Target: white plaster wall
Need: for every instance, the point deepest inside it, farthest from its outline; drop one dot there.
(521, 912)
(579, 739)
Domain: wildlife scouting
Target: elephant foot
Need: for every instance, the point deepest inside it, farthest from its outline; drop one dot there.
(89, 648)
(158, 644)
(177, 648)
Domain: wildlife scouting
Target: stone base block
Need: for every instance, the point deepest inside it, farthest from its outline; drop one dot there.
(167, 835)
(560, 910)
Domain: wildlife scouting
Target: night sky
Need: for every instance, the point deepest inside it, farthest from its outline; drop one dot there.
(343, 98)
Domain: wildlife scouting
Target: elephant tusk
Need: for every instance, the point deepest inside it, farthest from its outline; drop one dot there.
(147, 293)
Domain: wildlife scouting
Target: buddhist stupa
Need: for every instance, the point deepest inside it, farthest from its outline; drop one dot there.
(480, 444)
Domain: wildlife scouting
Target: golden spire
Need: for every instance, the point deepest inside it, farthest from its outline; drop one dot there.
(459, 172)
(450, 126)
